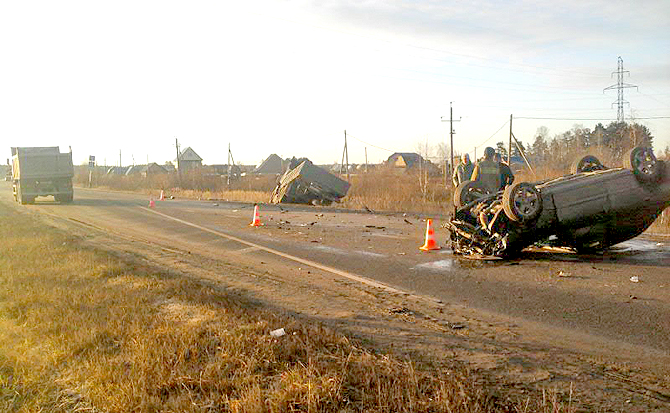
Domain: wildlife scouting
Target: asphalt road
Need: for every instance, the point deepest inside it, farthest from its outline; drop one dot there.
(591, 295)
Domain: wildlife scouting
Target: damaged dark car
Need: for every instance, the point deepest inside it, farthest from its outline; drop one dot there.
(306, 183)
(588, 210)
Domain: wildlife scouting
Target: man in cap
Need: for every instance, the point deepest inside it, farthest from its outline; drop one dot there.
(487, 172)
(463, 171)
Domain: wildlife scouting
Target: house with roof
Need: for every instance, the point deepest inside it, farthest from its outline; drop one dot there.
(410, 161)
(152, 169)
(405, 160)
(273, 164)
(188, 160)
(117, 170)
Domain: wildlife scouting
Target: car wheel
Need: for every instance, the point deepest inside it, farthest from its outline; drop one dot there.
(643, 163)
(588, 163)
(522, 202)
(466, 192)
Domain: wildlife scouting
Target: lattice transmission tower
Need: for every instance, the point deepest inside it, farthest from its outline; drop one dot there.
(620, 86)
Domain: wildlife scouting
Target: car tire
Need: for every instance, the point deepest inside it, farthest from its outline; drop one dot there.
(588, 163)
(466, 192)
(643, 163)
(522, 202)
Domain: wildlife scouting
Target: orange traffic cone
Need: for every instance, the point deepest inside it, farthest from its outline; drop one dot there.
(162, 198)
(430, 244)
(151, 203)
(257, 218)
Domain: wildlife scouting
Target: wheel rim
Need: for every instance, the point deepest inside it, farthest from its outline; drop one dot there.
(526, 202)
(590, 165)
(644, 162)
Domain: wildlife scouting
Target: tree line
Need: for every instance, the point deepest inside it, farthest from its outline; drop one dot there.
(609, 143)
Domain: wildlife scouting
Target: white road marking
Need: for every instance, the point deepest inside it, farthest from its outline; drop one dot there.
(326, 268)
(245, 250)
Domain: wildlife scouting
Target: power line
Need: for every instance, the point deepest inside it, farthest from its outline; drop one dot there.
(608, 118)
(494, 134)
(367, 143)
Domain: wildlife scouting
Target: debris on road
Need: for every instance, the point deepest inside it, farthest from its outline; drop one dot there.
(401, 310)
(564, 274)
(278, 332)
(635, 279)
(306, 183)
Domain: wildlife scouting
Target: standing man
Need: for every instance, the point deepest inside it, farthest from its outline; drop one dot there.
(463, 171)
(487, 172)
(506, 174)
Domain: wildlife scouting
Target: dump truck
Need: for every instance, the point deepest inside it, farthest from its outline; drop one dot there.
(306, 183)
(41, 171)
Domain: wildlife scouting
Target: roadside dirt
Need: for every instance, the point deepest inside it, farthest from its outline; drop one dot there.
(516, 358)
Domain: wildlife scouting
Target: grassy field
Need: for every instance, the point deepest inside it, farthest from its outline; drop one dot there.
(84, 331)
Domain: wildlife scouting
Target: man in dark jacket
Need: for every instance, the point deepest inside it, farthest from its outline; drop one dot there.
(487, 172)
(506, 174)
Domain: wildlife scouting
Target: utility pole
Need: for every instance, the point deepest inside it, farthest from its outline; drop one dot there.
(228, 167)
(120, 164)
(509, 151)
(620, 86)
(366, 159)
(346, 153)
(176, 144)
(231, 163)
(451, 136)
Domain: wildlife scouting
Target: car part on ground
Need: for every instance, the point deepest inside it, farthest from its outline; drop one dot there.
(306, 183)
(587, 211)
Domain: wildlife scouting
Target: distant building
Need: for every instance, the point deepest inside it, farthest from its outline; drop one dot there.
(405, 160)
(188, 160)
(273, 164)
(410, 161)
(222, 169)
(117, 170)
(134, 170)
(153, 169)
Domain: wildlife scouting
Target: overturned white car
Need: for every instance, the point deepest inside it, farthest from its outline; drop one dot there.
(591, 209)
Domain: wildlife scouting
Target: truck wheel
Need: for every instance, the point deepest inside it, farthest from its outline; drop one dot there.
(643, 163)
(522, 202)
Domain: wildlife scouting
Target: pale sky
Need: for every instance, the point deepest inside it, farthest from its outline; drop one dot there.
(289, 77)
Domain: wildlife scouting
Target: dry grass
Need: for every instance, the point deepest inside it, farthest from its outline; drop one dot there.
(387, 190)
(83, 331)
